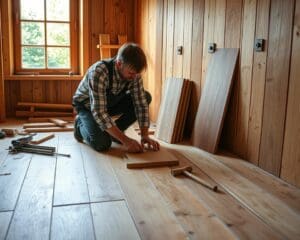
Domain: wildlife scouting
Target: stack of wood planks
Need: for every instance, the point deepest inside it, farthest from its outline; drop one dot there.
(44, 110)
(173, 110)
(48, 125)
(214, 99)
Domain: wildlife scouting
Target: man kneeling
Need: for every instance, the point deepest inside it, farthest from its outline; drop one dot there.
(109, 88)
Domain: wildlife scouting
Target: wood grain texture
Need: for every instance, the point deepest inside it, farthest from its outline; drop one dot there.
(280, 31)
(196, 218)
(32, 214)
(280, 189)
(290, 166)
(4, 223)
(101, 180)
(148, 210)
(10, 185)
(173, 110)
(214, 99)
(244, 83)
(2, 88)
(112, 220)
(258, 83)
(280, 217)
(70, 179)
(72, 222)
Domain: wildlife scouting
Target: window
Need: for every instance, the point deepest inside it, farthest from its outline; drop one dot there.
(46, 37)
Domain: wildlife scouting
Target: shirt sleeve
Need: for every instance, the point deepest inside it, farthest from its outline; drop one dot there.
(98, 80)
(140, 103)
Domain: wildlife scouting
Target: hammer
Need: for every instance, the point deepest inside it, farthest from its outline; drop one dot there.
(187, 172)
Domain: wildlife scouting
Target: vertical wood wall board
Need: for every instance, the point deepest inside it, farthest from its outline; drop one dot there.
(214, 99)
(258, 83)
(170, 41)
(244, 90)
(196, 62)
(290, 166)
(233, 28)
(208, 35)
(178, 38)
(279, 50)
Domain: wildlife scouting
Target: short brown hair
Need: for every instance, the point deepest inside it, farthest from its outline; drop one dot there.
(133, 56)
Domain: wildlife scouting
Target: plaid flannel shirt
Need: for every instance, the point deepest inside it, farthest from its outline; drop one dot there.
(92, 92)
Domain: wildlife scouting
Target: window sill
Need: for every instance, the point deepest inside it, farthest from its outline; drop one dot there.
(42, 77)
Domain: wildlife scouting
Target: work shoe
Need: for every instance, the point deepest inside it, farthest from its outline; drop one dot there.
(77, 133)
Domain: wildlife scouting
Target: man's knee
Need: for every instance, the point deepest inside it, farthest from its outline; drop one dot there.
(148, 97)
(100, 143)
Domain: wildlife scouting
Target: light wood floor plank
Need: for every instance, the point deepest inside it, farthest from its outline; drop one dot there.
(237, 217)
(10, 185)
(70, 180)
(150, 213)
(113, 221)
(72, 222)
(269, 209)
(198, 221)
(4, 222)
(101, 179)
(274, 185)
(32, 216)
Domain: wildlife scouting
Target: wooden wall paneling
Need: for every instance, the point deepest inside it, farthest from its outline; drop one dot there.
(164, 44)
(214, 99)
(2, 88)
(214, 30)
(26, 87)
(7, 36)
(155, 55)
(8, 104)
(97, 15)
(170, 39)
(196, 62)
(244, 84)
(85, 35)
(14, 96)
(38, 91)
(209, 19)
(144, 32)
(258, 83)
(178, 37)
(187, 39)
(290, 166)
(278, 60)
(232, 40)
(65, 92)
(52, 92)
(104, 52)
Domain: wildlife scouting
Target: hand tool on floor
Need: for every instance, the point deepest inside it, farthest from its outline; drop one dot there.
(22, 145)
(187, 172)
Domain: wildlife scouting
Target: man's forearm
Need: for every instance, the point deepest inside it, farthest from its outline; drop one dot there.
(144, 132)
(117, 133)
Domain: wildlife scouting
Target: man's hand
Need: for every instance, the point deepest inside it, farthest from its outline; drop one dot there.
(132, 146)
(149, 143)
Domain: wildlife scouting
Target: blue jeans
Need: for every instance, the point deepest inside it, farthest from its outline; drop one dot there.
(88, 129)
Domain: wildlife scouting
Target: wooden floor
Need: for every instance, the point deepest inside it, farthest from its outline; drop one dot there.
(94, 196)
